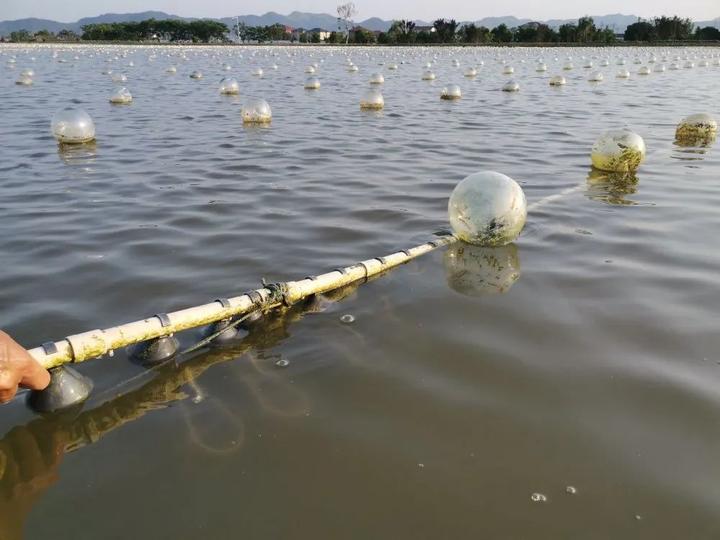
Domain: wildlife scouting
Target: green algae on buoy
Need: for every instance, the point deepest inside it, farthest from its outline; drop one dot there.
(487, 209)
(72, 126)
(700, 126)
(256, 111)
(121, 97)
(451, 92)
(229, 87)
(618, 151)
(372, 100)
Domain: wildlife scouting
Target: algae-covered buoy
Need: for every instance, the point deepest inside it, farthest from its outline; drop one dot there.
(696, 127)
(72, 126)
(372, 100)
(511, 86)
(377, 78)
(229, 87)
(121, 97)
(645, 70)
(568, 66)
(451, 92)
(618, 151)
(312, 83)
(196, 75)
(471, 73)
(310, 69)
(256, 111)
(24, 80)
(487, 209)
(508, 70)
(595, 76)
(392, 67)
(428, 76)
(557, 80)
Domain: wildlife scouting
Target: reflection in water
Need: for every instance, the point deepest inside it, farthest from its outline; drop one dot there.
(693, 148)
(30, 454)
(611, 187)
(78, 155)
(479, 271)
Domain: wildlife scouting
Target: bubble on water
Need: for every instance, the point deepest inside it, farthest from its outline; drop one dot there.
(282, 363)
(538, 497)
(347, 319)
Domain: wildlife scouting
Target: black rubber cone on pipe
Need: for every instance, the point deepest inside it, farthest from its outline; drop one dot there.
(155, 351)
(228, 331)
(67, 389)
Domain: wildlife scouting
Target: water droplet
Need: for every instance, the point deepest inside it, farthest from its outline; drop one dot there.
(282, 363)
(347, 319)
(538, 497)
(571, 490)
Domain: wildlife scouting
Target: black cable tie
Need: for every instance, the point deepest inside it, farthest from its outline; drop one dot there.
(164, 319)
(50, 348)
(367, 271)
(433, 244)
(311, 278)
(224, 302)
(381, 260)
(407, 252)
(255, 297)
(443, 232)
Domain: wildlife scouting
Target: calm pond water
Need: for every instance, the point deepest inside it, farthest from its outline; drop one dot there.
(579, 365)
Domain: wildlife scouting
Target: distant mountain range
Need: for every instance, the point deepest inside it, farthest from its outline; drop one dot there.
(308, 21)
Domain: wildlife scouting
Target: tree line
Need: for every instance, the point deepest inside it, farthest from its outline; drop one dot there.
(203, 30)
(669, 29)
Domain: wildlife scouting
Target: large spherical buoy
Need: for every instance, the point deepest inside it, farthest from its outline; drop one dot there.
(451, 92)
(623, 74)
(696, 126)
(471, 73)
(645, 70)
(618, 151)
(196, 75)
(428, 76)
(557, 80)
(118, 78)
(171, 69)
(256, 111)
(568, 66)
(511, 86)
(541, 67)
(312, 83)
(596, 76)
(24, 80)
(229, 87)
(372, 100)
(508, 70)
(121, 97)
(487, 209)
(73, 126)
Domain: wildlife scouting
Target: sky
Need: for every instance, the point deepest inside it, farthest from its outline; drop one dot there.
(71, 10)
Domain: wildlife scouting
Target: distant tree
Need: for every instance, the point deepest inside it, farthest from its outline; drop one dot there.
(535, 33)
(502, 34)
(315, 37)
(674, 28)
(346, 12)
(445, 30)
(640, 31)
(709, 33)
(20, 35)
(44, 35)
(585, 29)
(362, 36)
(403, 31)
(567, 33)
(426, 37)
(387, 38)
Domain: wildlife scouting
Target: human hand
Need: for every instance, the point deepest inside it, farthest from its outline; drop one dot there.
(18, 368)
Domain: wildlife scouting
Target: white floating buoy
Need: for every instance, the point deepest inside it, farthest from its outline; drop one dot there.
(487, 209)
(27, 73)
(352, 68)
(171, 69)
(508, 70)
(557, 80)
(118, 78)
(645, 70)
(428, 76)
(229, 87)
(471, 73)
(24, 80)
(451, 92)
(372, 100)
(392, 67)
(623, 74)
(696, 126)
(377, 78)
(72, 126)
(689, 65)
(588, 64)
(310, 69)
(540, 68)
(596, 76)
(660, 68)
(256, 111)
(196, 75)
(511, 86)
(568, 66)
(257, 72)
(121, 97)
(312, 83)
(674, 66)
(618, 151)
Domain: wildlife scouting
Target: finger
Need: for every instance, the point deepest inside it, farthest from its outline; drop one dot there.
(7, 395)
(35, 376)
